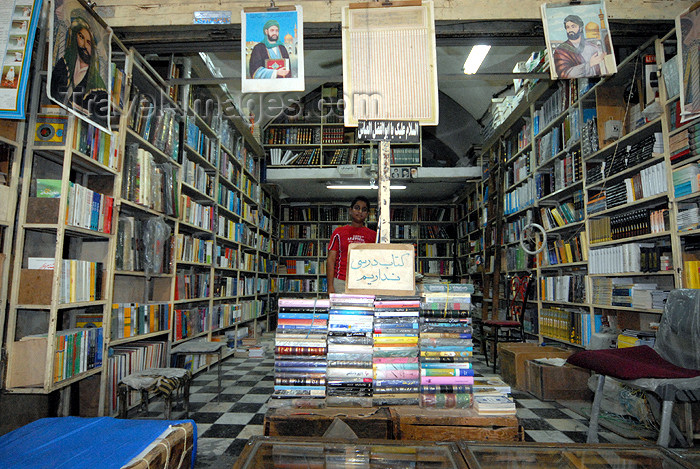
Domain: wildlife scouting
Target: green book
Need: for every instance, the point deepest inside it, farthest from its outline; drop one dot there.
(48, 188)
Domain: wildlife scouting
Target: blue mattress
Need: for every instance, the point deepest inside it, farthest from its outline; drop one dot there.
(75, 442)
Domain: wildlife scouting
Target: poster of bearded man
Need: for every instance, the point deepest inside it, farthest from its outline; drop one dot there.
(578, 40)
(272, 50)
(80, 51)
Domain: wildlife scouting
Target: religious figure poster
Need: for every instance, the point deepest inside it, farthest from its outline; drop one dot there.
(688, 35)
(18, 24)
(80, 50)
(578, 40)
(272, 50)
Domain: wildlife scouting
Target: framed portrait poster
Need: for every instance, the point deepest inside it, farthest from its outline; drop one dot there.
(688, 35)
(272, 50)
(80, 51)
(578, 40)
(17, 30)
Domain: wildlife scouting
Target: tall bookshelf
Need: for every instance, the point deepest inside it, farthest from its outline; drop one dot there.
(606, 201)
(310, 133)
(63, 252)
(306, 228)
(11, 146)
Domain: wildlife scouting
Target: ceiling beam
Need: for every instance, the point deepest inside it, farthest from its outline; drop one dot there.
(134, 13)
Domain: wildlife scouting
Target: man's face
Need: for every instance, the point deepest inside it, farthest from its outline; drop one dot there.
(273, 33)
(359, 212)
(84, 41)
(573, 31)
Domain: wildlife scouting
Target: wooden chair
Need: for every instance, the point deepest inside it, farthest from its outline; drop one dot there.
(511, 329)
(669, 372)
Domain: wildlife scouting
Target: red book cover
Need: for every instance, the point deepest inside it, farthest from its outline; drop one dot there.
(275, 64)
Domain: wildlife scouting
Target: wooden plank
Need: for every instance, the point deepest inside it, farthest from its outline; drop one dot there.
(457, 433)
(372, 422)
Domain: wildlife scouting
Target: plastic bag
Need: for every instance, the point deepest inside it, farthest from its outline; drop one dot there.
(156, 241)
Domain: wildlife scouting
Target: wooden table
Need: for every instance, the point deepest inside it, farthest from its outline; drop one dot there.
(395, 423)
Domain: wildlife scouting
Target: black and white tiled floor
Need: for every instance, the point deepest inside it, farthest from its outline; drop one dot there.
(224, 426)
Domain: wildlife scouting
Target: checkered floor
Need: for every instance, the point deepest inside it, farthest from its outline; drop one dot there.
(224, 426)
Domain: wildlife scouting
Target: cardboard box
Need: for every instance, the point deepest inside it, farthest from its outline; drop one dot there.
(35, 287)
(514, 355)
(549, 382)
(27, 362)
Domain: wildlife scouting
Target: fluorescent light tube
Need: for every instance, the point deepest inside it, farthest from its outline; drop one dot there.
(476, 57)
(361, 187)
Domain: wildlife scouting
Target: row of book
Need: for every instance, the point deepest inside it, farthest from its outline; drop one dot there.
(688, 216)
(205, 145)
(154, 122)
(127, 359)
(625, 156)
(686, 180)
(143, 245)
(89, 209)
(568, 288)
(197, 177)
(684, 145)
(288, 231)
(299, 266)
(564, 252)
(96, 144)
(296, 285)
(335, 134)
(517, 259)
(298, 248)
(190, 321)
(77, 351)
(628, 257)
(436, 250)
(626, 225)
(342, 156)
(556, 217)
(197, 214)
(435, 266)
(191, 249)
(292, 135)
(191, 285)
(118, 85)
(570, 326)
(520, 198)
(80, 281)
(149, 184)
(564, 172)
(225, 314)
(132, 319)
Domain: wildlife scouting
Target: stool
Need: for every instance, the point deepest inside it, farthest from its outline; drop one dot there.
(164, 381)
(201, 347)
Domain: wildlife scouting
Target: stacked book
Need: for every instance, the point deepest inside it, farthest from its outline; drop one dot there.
(395, 361)
(300, 348)
(686, 180)
(349, 373)
(684, 144)
(446, 346)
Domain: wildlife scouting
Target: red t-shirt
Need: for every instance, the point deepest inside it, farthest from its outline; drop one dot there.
(341, 238)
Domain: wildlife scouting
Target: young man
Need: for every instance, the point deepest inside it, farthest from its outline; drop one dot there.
(355, 232)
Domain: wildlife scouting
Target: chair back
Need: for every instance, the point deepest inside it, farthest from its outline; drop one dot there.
(518, 288)
(678, 337)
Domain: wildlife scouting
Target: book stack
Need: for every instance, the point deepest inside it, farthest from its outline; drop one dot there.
(684, 144)
(395, 361)
(300, 348)
(349, 372)
(686, 180)
(494, 405)
(446, 346)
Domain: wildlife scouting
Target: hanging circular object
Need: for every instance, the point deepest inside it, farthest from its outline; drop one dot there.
(528, 234)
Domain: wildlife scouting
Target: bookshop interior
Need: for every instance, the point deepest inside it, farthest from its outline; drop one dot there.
(241, 234)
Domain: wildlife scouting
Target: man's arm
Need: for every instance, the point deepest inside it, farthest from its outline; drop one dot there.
(330, 267)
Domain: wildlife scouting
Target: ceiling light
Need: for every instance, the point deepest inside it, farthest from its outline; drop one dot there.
(362, 187)
(476, 57)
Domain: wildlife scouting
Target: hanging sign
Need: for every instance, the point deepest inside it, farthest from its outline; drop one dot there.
(388, 131)
(375, 269)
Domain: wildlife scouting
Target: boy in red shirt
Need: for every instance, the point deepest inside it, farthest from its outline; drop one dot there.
(355, 232)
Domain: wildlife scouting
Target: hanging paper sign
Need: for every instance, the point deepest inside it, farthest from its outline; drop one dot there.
(18, 24)
(380, 269)
(389, 131)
